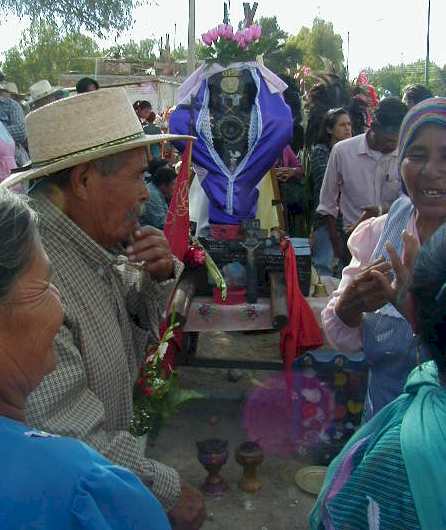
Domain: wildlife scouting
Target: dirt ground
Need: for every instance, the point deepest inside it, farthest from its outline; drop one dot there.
(279, 505)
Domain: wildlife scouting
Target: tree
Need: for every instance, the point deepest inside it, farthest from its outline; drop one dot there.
(280, 56)
(180, 53)
(318, 43)
(393, 78)
(99, 16)
(45, 53)
(139, 52)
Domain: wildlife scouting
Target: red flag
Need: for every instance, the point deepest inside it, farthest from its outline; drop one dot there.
(302, 332)
(176, 228)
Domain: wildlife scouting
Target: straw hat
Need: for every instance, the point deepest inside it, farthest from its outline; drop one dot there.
(41, 89)
(82, 128)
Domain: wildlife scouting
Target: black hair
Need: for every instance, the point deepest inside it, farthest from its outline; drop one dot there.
(83, 84)
(164, 175)
(142, 104)
(389, 114)
(416, 93)
(329, 122)
(293, 100)
(155, 164)
(429, 290)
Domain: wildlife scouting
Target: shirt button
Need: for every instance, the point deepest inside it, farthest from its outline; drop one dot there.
(101, 271)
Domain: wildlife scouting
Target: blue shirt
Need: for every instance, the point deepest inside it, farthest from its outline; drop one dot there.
(155, 208)
(53, 483)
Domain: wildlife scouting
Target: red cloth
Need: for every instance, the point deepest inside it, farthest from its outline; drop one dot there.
(176, 228)
(302, 331)
(176, 231)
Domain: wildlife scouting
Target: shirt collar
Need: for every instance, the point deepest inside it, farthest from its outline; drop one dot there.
(364, 149)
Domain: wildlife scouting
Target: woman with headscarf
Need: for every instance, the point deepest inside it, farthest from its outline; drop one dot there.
(390, 475)
(49, 481)
(358, 316)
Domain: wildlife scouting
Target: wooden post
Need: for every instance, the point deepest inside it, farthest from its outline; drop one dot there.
(191, 40)
(279, 301)
(426, 64)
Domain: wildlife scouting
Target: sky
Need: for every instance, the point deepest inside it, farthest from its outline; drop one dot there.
(381, 31)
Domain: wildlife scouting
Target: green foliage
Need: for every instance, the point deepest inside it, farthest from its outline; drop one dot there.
(318, 43)
(138, 52)
(44, 53)
(158, 394)
(179, 54)
(394, 78)
(281, 55)
(99, 16)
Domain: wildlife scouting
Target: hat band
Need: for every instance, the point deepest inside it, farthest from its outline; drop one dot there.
(42, 163)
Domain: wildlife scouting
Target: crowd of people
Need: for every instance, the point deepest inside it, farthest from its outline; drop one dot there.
(86, 272)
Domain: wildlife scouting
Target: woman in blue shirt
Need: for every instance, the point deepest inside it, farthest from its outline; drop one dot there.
(48, 482)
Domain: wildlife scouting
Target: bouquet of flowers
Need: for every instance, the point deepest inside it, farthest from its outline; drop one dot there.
(158, 394)
(225, 46)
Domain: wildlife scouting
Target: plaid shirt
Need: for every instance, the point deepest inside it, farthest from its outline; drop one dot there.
(112, 313)
(13, 118)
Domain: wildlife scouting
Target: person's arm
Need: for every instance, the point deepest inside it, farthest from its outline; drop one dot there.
(361, 244)
(318, 164)
(16, 127)
(64, 404)
(111, 497)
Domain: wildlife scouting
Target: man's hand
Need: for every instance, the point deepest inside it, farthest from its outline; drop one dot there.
(396, 290)
(283, 174)
(365, 294)
(189, 513)
(150, 247)
(367, 213)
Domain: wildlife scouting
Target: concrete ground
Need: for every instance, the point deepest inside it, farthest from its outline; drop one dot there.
(279, 505)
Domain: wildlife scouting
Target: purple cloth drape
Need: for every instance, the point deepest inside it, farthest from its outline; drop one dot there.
(236, 202)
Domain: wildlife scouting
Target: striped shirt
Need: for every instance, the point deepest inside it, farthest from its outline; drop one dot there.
(378, 477)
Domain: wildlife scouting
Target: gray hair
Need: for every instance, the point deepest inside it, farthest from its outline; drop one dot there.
(18, 229)
(106, 167)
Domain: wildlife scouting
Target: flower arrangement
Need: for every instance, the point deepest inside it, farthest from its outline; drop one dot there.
(157, 394)
(225, 46)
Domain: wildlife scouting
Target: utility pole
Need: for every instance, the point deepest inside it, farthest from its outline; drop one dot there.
(191, 39)
(426, 64)
(348, 56)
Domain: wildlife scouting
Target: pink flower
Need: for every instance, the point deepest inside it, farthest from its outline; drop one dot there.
(229, 32)
(207, 39)
(239, 38)
(248, 35)
(257, 31)
(221, 30)
(213, 34)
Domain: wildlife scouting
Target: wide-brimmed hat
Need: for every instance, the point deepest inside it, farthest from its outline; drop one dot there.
(82, 128)
(42, 89)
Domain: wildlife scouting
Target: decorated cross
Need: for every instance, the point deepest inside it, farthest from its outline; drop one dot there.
(250, 13)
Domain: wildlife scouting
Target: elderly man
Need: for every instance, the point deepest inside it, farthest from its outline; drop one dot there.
(114, 277)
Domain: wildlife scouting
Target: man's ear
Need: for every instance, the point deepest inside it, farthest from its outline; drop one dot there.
(79, 179)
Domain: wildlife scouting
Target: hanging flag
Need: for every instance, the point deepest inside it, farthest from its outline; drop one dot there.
(176, 228)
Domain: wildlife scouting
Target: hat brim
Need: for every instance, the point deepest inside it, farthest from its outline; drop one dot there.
(87, 156)
(46, 94)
